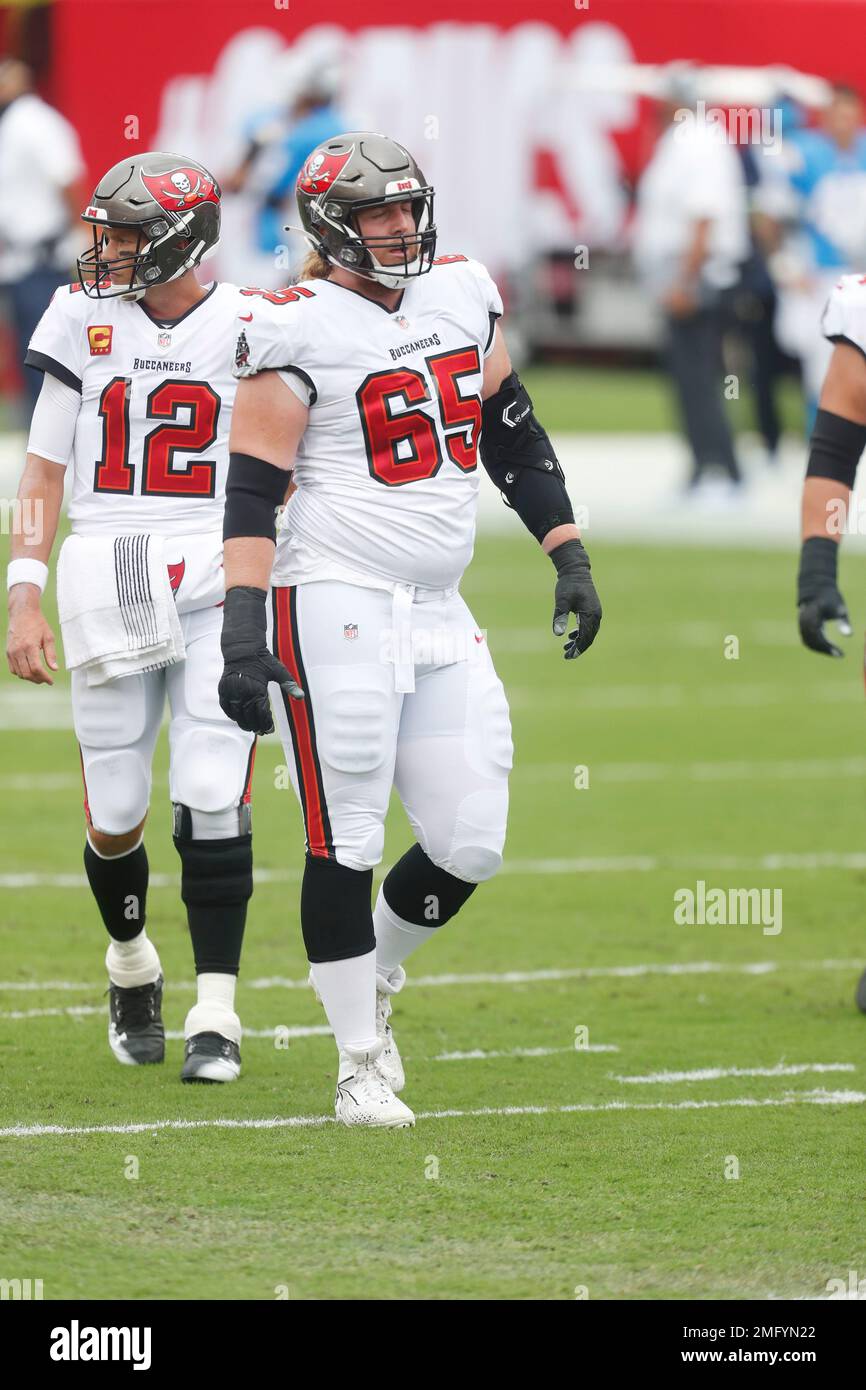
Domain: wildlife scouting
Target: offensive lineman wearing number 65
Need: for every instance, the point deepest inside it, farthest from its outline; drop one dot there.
(376, 385)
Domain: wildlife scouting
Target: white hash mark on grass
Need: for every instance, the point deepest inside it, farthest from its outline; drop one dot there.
(509, 977)
(530, 868)
(817, 1097)
(719, 1073)
(478, 1054)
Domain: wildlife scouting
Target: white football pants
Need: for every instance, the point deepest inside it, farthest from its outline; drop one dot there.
(400, 691)
(117, 726)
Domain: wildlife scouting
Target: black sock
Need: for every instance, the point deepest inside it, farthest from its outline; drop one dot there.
(420, 892)
(217, 935)
(119, 886)
(216, 885)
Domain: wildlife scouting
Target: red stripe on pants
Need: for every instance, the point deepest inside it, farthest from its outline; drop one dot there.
(299, 714)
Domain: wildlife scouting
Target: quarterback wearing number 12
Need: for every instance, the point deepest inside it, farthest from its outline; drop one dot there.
(136, 401)
(376, 383)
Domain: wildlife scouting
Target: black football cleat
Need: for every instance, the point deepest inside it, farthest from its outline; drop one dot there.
(136, 1034)
(861, 993)
(210, 1057)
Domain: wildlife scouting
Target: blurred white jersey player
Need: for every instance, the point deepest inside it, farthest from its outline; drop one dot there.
(137, 400)
(372, 383)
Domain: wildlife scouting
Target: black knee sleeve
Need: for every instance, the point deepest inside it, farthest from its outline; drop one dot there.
(120, 889)
(216, 885)
(419, 891)
(214, 872)
(336, 914)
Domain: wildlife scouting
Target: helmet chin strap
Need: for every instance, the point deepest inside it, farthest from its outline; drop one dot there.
(380, 274)
(389, 278)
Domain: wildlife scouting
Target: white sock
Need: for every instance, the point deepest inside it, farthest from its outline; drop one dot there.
(214, 1011)
(347, 988)
(132, 963)
(395, 938)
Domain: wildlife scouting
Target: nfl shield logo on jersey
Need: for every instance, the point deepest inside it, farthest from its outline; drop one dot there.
(350, 631)
(164, 340)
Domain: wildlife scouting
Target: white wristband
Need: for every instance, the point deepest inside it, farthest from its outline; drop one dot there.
(27, 572)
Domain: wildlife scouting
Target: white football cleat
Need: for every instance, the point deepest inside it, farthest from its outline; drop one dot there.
(390, 1062)
(364, 1096)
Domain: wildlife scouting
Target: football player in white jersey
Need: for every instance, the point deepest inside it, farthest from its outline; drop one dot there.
(372, 385)
(137, 399)
(837, 442)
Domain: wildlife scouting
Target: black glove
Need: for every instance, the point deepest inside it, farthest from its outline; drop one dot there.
(818, 596)
(243, 689)
(575, 593)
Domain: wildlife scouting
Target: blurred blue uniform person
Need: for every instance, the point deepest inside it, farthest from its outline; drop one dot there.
(816, 198)
(294, 146)
(280, 137)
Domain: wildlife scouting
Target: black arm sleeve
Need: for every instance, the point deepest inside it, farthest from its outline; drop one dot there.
(835, 448)
(254, 491)
(519, 458)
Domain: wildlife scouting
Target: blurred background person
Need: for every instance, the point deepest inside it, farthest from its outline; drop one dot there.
(280, 137)
(41, 197)
(690, 239)
(755, 302)
(812, 221)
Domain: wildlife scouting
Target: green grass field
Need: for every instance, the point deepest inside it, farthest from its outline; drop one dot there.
(743, 773)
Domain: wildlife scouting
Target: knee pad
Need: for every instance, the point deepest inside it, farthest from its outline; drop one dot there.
(336, 912)
(117, 786)
(209, 767)
(213, 872)
(475, 852)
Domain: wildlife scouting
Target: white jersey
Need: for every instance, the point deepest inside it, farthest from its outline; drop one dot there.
(387, 470)
(844, 319)
(151, 438)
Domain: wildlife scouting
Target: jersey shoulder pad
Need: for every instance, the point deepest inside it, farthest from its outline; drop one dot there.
(478, 279)
(844, 317)
(57, 343)
(270, 332)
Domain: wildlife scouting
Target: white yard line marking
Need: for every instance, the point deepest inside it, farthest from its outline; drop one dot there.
(510, 977)
(719, 1073)
(39, 782)
(477, 1054)
(599, 864)
(674, 696)
(22, 712)
(817, 1097)
(74, 1011)
(792, 770)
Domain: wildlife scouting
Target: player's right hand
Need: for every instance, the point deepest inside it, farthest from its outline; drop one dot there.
(249, 665)
(818, 598)
(28, 642)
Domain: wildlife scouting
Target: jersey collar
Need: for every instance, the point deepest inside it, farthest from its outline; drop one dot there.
(172, 323)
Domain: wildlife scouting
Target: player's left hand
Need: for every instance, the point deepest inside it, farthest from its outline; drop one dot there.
(575, 593)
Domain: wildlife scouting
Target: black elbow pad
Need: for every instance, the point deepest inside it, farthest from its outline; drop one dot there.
(520, 459)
